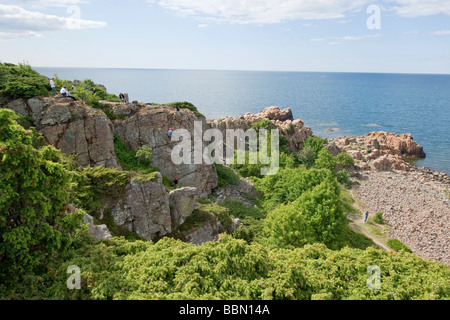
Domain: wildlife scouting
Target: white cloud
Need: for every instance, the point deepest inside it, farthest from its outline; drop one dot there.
(202, 25)
(277, 11)
(51, 3)
(263, 11)
(441, 33)
(356, 38)
(18, 34)
(18, 21)
(317, 39)
(419, 8)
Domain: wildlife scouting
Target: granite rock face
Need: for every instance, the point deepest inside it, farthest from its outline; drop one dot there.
(379, 151)
(182, 204)
(144, 209)
(294, 131)
(150, 126)
(72, 127)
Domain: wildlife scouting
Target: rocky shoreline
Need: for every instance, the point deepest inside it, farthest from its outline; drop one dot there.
(415, 205)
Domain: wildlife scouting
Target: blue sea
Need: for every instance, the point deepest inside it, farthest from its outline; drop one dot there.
(347, 103)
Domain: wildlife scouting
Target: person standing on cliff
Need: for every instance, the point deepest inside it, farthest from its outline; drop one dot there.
(52, 84)
(170, 133)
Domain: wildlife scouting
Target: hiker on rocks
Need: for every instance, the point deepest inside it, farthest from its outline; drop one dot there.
(178, 109)
(170, 133)
(64, 92)
(52, 84)
(175, 182)
(366, 216)
(122, 97)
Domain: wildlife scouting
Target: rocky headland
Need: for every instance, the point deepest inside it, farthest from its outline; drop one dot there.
(414, 201)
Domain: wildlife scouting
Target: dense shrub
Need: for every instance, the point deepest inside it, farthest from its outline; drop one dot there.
(307, 156)
(232, 270)
(226, 176)
(20, 81)
(36, 219)
(315, 143)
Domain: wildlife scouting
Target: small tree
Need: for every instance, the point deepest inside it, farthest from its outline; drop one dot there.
(307, 156)
(144, 155)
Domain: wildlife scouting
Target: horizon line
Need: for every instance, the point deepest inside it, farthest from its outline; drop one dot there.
(245, 70)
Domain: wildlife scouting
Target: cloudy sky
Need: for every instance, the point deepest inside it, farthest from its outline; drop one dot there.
(404, 36)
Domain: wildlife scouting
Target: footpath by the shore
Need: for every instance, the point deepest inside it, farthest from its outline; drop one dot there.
(415, 204)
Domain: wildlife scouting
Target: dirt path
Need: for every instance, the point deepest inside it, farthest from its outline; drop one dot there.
(357, 225)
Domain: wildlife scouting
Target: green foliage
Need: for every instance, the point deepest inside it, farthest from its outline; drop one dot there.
(89, 97)
(325, 160)
(307, 156)
(186, 105)
(263, 124)
(316, 216)
(128, 158)
(343, 177)
(35, 217)
(378, 218)
(21, 81)
(226, 176)
(315, 143)
(231, 269)
(345, 159)
(397, 245)
(289, 184)
(144, 155)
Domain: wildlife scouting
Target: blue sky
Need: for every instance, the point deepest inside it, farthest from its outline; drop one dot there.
(285, 35)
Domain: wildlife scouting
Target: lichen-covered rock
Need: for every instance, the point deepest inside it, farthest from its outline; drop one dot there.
(72, 127)
(100, 232)
(208, 232)
(182, 204)
(144, 209)
(150, 126)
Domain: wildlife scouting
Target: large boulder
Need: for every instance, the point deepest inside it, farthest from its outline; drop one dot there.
(100, 232)
(144, 209)
(72, 127)
(182, 204)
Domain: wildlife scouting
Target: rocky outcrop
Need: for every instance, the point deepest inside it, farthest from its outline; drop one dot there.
(294, 130)
(182, 204)
(208, 232)
(100, 232)
(72, 127)
(144, 209)
(149, 126)
(379, 151)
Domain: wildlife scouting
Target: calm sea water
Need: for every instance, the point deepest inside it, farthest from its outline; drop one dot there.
(348, 103)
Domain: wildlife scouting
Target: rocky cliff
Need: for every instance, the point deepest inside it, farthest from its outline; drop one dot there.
(379, 150)
(149, 125)
(72, 127)
(294, 131)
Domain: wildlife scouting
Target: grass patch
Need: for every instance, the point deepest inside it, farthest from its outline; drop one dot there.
(128, 160)
(186, 105)
(226, 176)
(378, 218)
(357, 240)
(397, 245)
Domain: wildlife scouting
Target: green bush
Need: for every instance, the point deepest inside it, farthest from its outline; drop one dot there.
(128, 158)
(315, 143)
(378, 218)
(186, 105)
(345, 159)
(325, 160)
(307, 156)
(289, 184)
(397, 245)
(36, 219)
(226, 176)
(21, 81)
(343, 177)
(231, 269)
